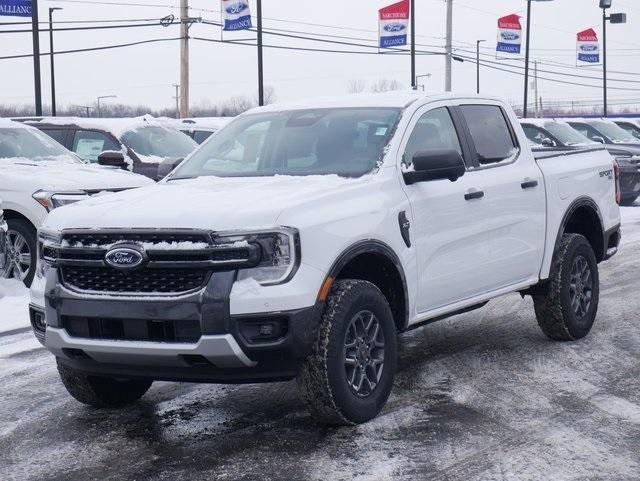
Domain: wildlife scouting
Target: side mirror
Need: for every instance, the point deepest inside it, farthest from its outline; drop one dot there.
(112, 158)
(599, 139)
(166, 166)
(547, 142)
(435, 164)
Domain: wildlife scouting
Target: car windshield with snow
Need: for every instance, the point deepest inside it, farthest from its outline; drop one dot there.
(347, 142)
(32, 145)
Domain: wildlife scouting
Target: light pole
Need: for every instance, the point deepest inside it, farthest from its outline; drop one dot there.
(53, 70)
(613, 18)
(104, 97)
(526, 57)
(478, 42)
(427, 75)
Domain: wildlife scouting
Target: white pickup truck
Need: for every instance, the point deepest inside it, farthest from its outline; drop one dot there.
(302, 238)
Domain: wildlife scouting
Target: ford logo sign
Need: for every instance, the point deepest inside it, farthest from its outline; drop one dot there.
(588, 48)
(394, 27)
(124, 258)
(236, 8)
(510, 36)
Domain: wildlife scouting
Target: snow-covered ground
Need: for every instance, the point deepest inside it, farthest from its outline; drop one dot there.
(14, 302)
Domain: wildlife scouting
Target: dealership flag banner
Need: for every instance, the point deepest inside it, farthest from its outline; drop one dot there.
(394, 23)
(236, 15)
(588, 46)
(15, 8)
(509, 35)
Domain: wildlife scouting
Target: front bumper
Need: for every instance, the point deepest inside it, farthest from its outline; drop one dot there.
(223, 352)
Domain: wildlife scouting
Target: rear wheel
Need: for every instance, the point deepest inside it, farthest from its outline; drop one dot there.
(568, 310)
(21, 251)
(349, 374)
(102, 392)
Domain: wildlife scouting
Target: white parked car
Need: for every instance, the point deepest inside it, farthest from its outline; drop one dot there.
(38, 175)
(302, 238)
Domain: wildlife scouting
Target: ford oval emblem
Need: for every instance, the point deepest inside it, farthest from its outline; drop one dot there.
(588, 48)
(237, 8)
(124, 258)
(394, 27)
(510, 36)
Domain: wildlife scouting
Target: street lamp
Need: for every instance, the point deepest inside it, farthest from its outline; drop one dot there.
(478, 42)
(427, 75)
(104, 97)
(53, 71)
(614, 18)
(526, 56)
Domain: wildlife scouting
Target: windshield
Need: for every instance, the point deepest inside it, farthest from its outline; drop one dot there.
(28, 144)
(346, 141)
(630, 128)
(615, 133)
(157, 141)
(566, 134)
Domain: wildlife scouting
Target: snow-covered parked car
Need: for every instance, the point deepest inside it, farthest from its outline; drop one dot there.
(139, 144)
(38, 175)
(299, 241)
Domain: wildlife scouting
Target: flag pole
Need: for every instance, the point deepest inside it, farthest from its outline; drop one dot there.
(413, 45)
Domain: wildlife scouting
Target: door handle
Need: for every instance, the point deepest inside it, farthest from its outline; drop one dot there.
(529, 184)
(478, 194)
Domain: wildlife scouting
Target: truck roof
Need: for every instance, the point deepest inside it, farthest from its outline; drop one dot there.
(396, 99)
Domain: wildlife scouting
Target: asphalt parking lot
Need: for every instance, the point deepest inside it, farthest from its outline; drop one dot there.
(481, 396)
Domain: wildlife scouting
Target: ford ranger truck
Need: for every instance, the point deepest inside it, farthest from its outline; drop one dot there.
(302, 239)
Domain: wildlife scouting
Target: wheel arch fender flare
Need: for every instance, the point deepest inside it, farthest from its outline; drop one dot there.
(591, 205)
(376, 247)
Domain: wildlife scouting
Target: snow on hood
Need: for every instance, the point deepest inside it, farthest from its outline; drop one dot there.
(65, 173)
(205, 203)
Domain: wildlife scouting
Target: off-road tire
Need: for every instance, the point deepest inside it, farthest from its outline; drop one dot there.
(555, 315)
(322, 379)
(101, 392)
(26, 230)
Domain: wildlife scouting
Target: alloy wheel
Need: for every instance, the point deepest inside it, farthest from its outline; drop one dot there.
(580, 287)
(364, 353)
(18, 256)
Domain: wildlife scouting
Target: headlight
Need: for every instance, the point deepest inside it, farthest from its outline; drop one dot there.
(53, 200)
(48, 242)
(280, 253)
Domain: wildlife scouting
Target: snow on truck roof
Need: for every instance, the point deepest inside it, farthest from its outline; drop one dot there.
(117, 126)
(396, 99)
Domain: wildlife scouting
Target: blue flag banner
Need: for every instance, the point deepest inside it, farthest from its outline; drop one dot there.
(509, 35)
(15, 8)
(588, 46)
(236, 15)
(393, 24)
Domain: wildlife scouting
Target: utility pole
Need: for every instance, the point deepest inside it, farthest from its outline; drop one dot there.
(177, 98)
(37, 80)
(412, 14)
(604, 60)
(478, 42)
(104, 97)
(260, 60)
(535, 86)
(448, 47)
(53, 70)
(184, 58)
(525, 108)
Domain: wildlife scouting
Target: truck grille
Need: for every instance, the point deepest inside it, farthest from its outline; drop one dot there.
(175, 262)
(186, 331)
(106, 279)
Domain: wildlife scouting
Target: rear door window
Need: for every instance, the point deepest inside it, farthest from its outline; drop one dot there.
(89, 144)
(491, 134)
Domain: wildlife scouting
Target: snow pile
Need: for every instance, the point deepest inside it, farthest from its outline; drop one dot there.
(14, 305)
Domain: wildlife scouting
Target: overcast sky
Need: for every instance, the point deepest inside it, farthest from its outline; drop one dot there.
(144, 74)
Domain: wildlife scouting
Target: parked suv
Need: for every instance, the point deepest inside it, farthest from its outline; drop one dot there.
(38, 175)
(139, 144)
(302, 238)
(557, 134)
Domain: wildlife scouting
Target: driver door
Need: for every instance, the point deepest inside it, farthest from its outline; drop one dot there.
(450, 225)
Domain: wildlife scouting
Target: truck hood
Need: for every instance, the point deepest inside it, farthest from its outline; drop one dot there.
(205, 203)
(65, 175)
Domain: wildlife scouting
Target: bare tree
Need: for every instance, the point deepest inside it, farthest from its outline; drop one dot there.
(356, 86)
(385, 85)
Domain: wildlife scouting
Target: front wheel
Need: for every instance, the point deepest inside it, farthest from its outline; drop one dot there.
(568, 310)
(21, 251)
(349, 374)
(102, 392)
